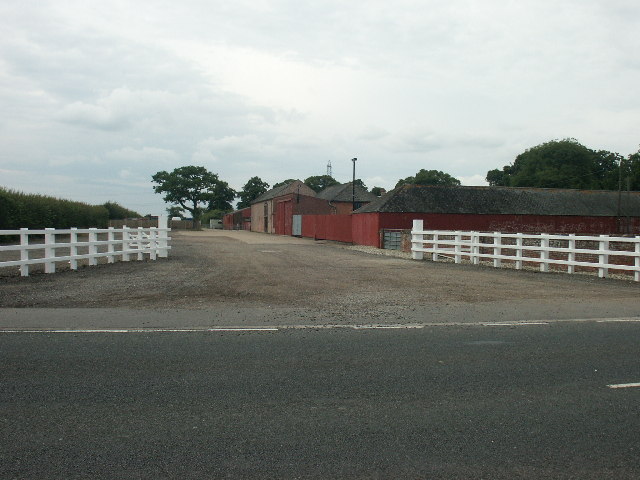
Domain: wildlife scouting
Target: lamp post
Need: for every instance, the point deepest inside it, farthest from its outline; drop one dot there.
(353, 186)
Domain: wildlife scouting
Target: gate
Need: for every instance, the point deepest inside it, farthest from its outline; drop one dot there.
(297, 226)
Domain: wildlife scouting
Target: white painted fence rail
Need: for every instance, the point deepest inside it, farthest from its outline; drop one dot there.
(519, 249)
(125, 243)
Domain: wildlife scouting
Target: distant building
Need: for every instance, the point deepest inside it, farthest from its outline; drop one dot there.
(340, 197)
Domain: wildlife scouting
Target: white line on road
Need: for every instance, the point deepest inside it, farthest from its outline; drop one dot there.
(624, 385)
(512, 324)
(142, 330)
(616, 320)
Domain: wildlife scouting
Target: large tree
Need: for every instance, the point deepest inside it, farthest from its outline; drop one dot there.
(279, 184)
(252, 190)
(562, 164)
(430, 177)
(320, 182)
(191, 188)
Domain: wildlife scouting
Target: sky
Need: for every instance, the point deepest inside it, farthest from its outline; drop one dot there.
(97, 96)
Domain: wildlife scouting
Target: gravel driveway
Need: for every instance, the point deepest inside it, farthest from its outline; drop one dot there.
(228, 271)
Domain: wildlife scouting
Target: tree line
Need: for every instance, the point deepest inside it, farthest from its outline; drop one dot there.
(25, 210)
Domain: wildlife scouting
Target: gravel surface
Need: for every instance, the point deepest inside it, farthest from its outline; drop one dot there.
(217, 270)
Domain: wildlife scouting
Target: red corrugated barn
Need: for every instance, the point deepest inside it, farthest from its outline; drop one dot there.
(525, 210)
(237, 220)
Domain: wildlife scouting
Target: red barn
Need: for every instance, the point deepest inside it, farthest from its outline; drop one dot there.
(525, 210)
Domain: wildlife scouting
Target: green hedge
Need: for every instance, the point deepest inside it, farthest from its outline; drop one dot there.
(21, 210)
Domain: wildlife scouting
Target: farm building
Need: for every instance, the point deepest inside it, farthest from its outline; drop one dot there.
(504, 209)
(273, 211)
(341, 197)
(237, 220)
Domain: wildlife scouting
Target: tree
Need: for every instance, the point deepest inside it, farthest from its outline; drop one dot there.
(284, 182)
(430, 177)
(320, 182)
(118, 212)
(378, 191)
(360, 183)
(191, 187)
(174, 211)
(252, 190)
(561, 164)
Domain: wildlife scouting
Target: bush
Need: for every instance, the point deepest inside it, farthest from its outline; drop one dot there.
(118, 212)
(21, 210)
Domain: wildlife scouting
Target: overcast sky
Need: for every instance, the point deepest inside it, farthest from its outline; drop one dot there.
(96, 96)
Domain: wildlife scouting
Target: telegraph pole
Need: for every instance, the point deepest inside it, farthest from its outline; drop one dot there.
(353, 186)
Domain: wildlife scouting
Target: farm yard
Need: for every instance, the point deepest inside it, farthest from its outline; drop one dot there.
(239, 274)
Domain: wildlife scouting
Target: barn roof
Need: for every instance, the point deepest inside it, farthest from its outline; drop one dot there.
(344, 193)
(505, 200)
(291, 187)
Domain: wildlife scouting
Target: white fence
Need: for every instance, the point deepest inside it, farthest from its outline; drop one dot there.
(126, 243)
(570, 251)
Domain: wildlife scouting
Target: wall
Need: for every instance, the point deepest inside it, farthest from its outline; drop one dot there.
(365, 229)
(258, 216)
(509, 223)
(238, 220)
(327, 227)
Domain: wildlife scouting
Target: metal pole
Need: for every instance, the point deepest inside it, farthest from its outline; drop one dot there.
(353, 186)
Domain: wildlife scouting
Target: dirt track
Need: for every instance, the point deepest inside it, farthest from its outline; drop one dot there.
(214, 270)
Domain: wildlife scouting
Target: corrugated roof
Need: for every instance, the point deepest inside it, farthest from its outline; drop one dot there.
(505, 200)
(291, 187)
(343, 193)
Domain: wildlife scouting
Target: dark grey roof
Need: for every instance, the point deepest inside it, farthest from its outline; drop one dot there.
(505, 200)
(343, 193)
(282, 190)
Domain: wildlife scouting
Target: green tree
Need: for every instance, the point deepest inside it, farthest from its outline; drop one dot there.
(378, 191)
(561, 164)
(360, 183)
(118, 212)
(191, 188)
(430, 177)
(288, 180)
(175, 211)
(252, 190)
(320, 182)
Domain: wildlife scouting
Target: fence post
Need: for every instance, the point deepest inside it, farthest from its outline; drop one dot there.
(603, 256)
(73, 248)
(417, 240)
(140, 246)
(163, 225)
(544, 253)
(458, 247)
(49, 250)
(519, 251)
(110, 247)
(93, 248)
(475, 247)
(125, 243)
(24, 252)
(497, 250)
(434, 255)
(636, 274)
(153, 244)
(571, 257)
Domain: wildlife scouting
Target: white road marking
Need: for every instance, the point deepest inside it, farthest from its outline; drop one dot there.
(142, 330)
(624, 385)
(326, 326)
(512, 324)
(616, 320)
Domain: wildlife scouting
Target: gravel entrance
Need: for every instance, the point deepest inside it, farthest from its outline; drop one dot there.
(221, 269)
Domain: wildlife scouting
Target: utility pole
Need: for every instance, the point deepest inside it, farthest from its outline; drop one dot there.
(353, 186)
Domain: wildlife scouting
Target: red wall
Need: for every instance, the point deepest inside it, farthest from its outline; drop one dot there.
(327, 227)
(365, 229)
(508, 223)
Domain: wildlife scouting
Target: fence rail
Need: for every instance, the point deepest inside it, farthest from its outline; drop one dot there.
(587, 252)
(109, 243)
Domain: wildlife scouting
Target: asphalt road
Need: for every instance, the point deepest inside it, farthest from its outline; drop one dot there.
(474, 401)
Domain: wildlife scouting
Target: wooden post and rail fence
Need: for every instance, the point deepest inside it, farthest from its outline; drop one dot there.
(567, 252)
(84, 244)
